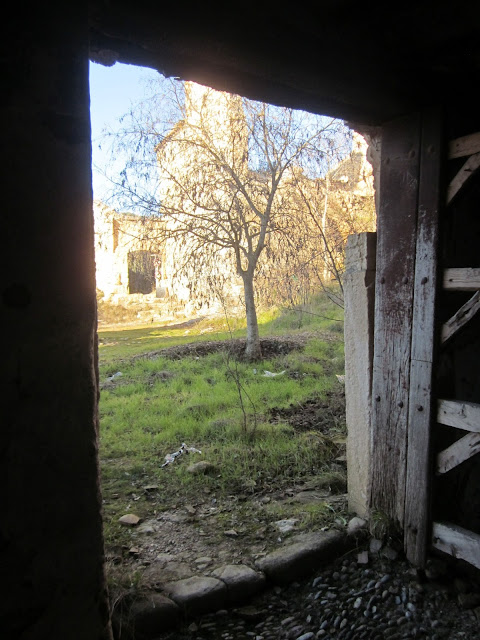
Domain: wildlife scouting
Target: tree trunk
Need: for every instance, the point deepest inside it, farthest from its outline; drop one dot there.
(253, 349)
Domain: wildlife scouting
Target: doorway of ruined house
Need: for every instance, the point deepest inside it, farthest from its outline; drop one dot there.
(139, 261)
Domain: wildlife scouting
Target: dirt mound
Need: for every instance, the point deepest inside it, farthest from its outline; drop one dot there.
(314, 414)
(271, 347)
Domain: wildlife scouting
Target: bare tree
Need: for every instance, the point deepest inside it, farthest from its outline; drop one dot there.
(225, 174)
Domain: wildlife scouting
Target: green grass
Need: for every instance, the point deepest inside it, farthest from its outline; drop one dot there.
(158, 403)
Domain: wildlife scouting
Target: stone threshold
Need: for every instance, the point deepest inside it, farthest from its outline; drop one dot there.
(231, 585)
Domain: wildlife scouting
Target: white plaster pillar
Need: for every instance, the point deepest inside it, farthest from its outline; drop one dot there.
(359, 293)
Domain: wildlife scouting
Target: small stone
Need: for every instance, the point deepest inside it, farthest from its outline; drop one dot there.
(150, 487)
(306, 636)
(356, 525)
(203, 560)
(231, 533)
(362, 557)
(375, 545)
(129, 520)
(390, 553)
(202, 467)
(284, 526)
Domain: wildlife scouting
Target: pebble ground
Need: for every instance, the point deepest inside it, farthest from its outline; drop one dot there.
(347, 600)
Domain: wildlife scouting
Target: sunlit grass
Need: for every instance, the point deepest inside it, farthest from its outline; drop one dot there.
(157, 403)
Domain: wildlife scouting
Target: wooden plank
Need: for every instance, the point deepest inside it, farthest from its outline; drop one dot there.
(466, 279)
(464, 146)
(466, 172)
(457, 542)
(462, 415)
(458, 452)
(460, 319)
(396, 242)
(418, 472)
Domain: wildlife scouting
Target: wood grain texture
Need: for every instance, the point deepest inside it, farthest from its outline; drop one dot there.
(462, 415)
(418, 472)
(465, 173)
(465, 279)
(461, 318)
(464, 146)
(457, 542)
(396, 242)
(458, 452)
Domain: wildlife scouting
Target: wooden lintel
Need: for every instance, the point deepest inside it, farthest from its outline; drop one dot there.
(468, 169)
(457, 542)
(464, 146)
(462, 415)
(461, 279)
(460, 319)
(458, 452)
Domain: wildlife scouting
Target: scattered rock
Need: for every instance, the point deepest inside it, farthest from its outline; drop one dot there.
(375, 545)
(356, 525)
(310, 497)
(390, 553)
(362, 557)
(249, 613)
(129, 520)
(150, 487)
(231, 533)
(242, 581)
(284, 526)
(147, 527)
(202, 467)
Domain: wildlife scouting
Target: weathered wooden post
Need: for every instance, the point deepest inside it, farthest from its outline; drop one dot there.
(359, 293)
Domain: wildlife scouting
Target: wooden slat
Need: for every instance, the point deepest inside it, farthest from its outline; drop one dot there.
(467, 279)
(457, 542)
(462, 415)
(464, 146)
(468, 169)
(418, 472)
(460, 319)
(458, 452)
(396, 241)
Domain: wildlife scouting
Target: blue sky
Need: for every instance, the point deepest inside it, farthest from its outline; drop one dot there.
(112, 91)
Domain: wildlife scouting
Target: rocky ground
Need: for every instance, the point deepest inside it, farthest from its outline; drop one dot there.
(370, 593)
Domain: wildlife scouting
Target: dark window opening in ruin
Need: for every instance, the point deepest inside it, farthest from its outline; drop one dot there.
(141, 272)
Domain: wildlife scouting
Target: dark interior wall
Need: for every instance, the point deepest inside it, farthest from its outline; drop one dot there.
(347, 64)
(51, 547)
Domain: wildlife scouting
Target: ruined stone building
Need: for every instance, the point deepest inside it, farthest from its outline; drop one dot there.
(148, 258)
